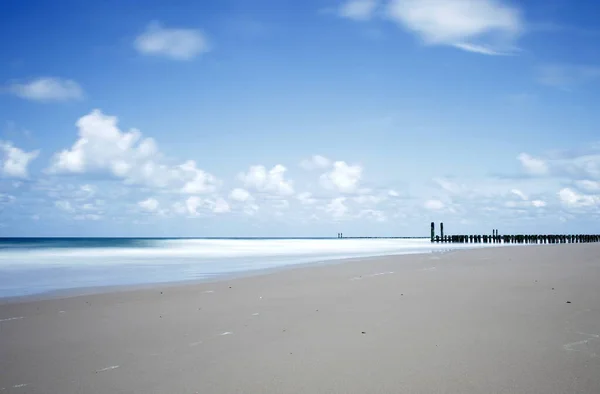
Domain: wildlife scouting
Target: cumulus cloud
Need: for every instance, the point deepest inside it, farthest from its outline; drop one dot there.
(337, 207)
(487, 27)
(343, 177)
(306, 198)
(532, 165)
(14, 161)
(360, 10)
(434, 205)
(241, 195)
(194, 203)
(199, 181)
(316, 162)
(572, 199)
(271, 181)
(173, 43)
(47, 89)
(103, 148)
(149, 205)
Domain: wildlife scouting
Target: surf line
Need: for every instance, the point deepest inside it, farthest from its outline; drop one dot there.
(12, 318)
(108, 368)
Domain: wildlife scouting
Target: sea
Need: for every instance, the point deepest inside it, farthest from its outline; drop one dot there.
(34, 266)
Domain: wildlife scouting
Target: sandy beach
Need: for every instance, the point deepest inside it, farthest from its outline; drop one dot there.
(520, 319)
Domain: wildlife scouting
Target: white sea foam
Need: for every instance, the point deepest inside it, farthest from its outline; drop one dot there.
(226, 248)
(68, 264)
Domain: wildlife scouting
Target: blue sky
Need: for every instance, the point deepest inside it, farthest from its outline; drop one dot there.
(281, 118)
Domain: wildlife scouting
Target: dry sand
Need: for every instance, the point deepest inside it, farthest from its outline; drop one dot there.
(479, 321)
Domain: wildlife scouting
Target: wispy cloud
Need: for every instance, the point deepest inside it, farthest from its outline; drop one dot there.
(487, 27)
(47, 89)
(360, 10)
(532, 165)
(585, 166)
(173, 43)
(567, 77)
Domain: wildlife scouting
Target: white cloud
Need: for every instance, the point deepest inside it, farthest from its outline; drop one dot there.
(194, 203)
(571, 198)
(241, 195)
(434, 205)
(306, 198)
(272, 181)
(220, 206)
(86, 191)
(376, 215)
(315, 162)
(359, 10)
(520, 194)
(47, 89)
(533, 166)
(592, 186)
(366, 199)
(337, 208)
(200, 181)
(149, 205)
(64, 205)
(251, 209)
(482, 26)
(449, 186)
(393, 193)
(174, 43)
(14, 161)
(87, 216)
(538, 203)
(180, 208)
(343, 177)
(103, 148)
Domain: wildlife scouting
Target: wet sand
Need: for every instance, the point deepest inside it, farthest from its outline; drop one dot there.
(522, 319)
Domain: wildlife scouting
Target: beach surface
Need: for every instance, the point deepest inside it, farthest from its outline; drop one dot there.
(519, 319)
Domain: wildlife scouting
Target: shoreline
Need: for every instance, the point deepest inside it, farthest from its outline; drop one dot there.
(510, 320)
(94, 290)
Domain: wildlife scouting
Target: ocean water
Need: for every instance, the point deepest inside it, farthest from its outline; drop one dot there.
(37, 266)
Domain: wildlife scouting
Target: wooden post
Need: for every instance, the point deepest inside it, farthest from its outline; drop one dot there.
(432, 231)
(442, 230)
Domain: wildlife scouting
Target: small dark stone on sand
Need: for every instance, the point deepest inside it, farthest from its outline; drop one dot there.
(568, 302)
(362, 332)
(317, 310)
(553, 288)
(230, 287)
(161, 292)
(402, 294)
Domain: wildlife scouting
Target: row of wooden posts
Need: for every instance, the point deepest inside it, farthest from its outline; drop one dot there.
(496, 238)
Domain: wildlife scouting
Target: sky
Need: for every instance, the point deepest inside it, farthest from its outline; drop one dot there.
(280, 118)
